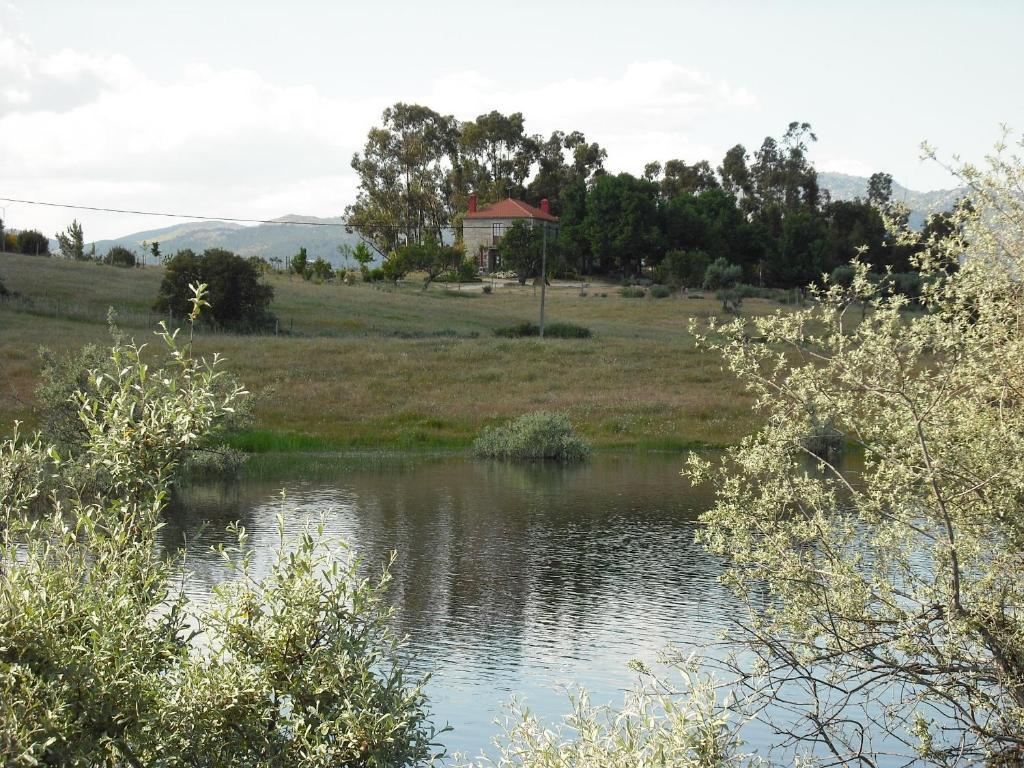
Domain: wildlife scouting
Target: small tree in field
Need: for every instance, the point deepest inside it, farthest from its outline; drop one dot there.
(32, 242)
(429, 256)
(119, 256)
(299, 264)
(239, 300)
(363, 256)
(887, 611)
(72, 242)
(520, 250)
(321, 269)
(724, 278)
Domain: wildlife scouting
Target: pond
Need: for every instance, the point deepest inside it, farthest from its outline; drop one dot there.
(510, 580)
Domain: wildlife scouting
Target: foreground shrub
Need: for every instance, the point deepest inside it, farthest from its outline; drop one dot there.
(887, 610)
(65, 378)
(660, 291)
(551, 330)
(103, 660)
(632, 292)
(540, 435)
(660, 724)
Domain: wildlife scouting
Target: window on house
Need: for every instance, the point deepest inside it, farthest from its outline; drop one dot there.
(497, 230)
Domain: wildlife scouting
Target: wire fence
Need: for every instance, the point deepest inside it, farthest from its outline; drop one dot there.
(125, 316)
(46, 306)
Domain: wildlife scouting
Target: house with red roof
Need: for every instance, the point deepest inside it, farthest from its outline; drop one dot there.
(483, 228)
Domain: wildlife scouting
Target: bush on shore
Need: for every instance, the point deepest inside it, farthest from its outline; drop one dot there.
(551, 330)
(540, 435)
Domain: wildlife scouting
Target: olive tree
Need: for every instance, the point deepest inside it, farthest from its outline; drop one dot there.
(103, 660)
(887, 609)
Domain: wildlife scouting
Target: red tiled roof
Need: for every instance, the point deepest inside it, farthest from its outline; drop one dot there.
(511, 209)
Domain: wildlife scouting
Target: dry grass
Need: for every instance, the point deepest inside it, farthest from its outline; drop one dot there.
(403, 368)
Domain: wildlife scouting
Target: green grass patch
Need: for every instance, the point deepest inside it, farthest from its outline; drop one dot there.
(401, 369)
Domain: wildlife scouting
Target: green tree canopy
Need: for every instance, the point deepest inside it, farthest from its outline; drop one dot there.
(621, 223)
(520, 249)
(405, 178)
(239, 300)
(712, 222)
(496, 155)
(299, 264)
(362, 255)
(565, 162)
(321, 269)
(33, 242)
(678, 178)
(880, 189)
(72, 242)
(429, 257)
(119, 256)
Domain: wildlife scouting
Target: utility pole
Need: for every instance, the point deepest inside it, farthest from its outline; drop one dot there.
(543, 274)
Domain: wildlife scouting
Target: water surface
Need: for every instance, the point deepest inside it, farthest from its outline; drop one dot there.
(510, 579)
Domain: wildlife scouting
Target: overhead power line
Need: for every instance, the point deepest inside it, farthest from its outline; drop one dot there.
(173, 215)
(467, 224)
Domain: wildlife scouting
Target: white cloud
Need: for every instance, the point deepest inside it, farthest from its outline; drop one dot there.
(98, 130)
(648, 111)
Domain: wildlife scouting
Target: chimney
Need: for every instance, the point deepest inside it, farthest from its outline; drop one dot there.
(472, 203)
(544, 206)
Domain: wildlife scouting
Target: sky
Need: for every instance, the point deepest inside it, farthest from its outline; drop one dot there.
(253, 109)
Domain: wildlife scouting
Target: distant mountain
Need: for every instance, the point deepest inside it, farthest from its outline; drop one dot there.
(266, 240)
(921, 204)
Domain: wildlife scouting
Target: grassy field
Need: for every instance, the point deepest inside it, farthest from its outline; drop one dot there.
(365, 367)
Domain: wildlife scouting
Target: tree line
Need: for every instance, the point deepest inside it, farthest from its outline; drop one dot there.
(763, 212)
(71, 245)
